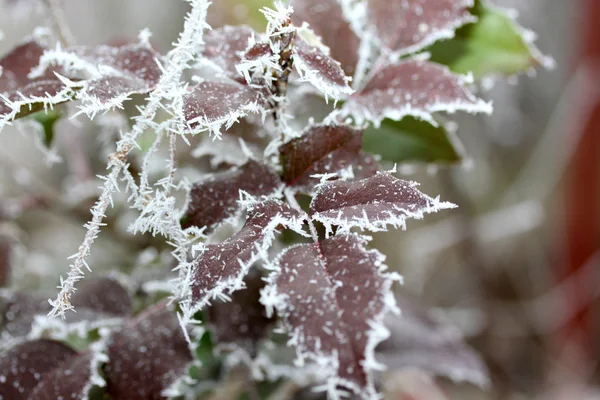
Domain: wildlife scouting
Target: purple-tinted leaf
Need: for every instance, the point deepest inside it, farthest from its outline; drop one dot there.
(327, 20)
(147, 355)
(21, 95)
(371, 203)
(418, 340)
(220, 269)
(105, 295)
(213, 104)
(315, 66)
(406, 26)
(23, 366)
(333, 300)
(18, 311)
(223, 46)
(242, 321)
(72, 379)
(321, 149)
(415, 87)
(216, 198)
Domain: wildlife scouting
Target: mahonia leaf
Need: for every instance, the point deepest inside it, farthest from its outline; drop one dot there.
(112, 73)
(323, 148)
(495, 44)
(215, 199)
(406, 26)
(241, 322)
(220, 268)
(21, 95)
(418, 340)
(333, 298)
(210, 105)
(416, 88)
(147, 355)
(372, 203)
(412, 140)
(314, 65)
(98, 301)
(72, 379)
(327, 20)
(24, 366)
(224, 46)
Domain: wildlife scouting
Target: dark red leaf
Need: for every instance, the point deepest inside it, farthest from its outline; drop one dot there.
(213, 104)
(242, 321)
(323, 72)
(72, 379)
(418, 340)
(23, 366)
(406, 26)
(371, 203)
(415, 87)
(220, 269)
(147, 355)
(333, 301)
(106, 295)
(224, 46)
(327, 20)
(216, 198)
(321, 149)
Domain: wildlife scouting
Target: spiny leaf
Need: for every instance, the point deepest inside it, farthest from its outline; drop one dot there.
(418, 340)
(333, 299)
(314, 65)
(220, 269)
(323, 148)
(411, 140)
(215, 199)
(406, 26)
(147, 355)
(72, 379)
(495, 44)
(416, 88)
(372, 203)
(24, 366)
(327, 20)
(241, 322)
(210, 105)
(224, 45)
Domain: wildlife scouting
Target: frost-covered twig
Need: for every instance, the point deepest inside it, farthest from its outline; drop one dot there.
(168, 88)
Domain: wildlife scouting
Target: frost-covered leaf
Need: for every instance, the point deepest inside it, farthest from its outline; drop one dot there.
(333, 299)
(147, 355)
(111, 73)
(224, 46)
(210, 105)
(419, 340)
(314, 65)
(323, 148)
(72, 379)
(327, 20)
(416, 88)
(372, 203)
(412, 140)
(495, 44)
(241, 322)
(406, 26)
(24, 366)
(105, 295)
(21, 95)
(215, 199)
(220, 269)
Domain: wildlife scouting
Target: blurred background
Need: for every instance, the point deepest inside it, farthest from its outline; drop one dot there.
(516, 267)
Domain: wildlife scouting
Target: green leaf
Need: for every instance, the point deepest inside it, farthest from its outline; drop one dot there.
(410, 140)
(48, 119)
(495, 44)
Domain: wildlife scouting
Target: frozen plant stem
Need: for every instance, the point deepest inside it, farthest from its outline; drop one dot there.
(291, 199)
(168, 86)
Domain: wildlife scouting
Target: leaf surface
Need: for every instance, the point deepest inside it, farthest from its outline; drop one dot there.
(224, 46)
(333, 300)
